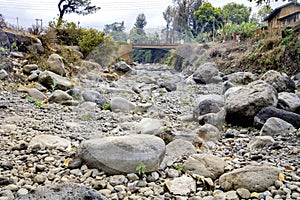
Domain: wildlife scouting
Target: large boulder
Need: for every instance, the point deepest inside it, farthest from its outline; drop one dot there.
(259, 142)
(206, 165)
(36, 95)
(55, 64)
(94, 96)
(206, 73)
(63, 191)
(211, 103)
(59, 96)
(50, 142)
(241, 77)
(208, 132)
(280, 81)
(264, 114)
(275, 126)
(253, 178)
(119, 104)
(123, 67)
(149, 126)
(29, 68)
(176, 150)
(183, 185)
(288, 101)
(243, 104)
(54, 81)
(122, 154)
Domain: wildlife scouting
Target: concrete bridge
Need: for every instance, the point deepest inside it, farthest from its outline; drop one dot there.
(125, 51)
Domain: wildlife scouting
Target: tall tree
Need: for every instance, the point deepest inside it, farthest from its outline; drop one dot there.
(2, 21)
(236, 13)
(169, 15)
(140, 21)
(116, 31)
(81, 7)
(116, 26)
(208, 19)
(264, 12)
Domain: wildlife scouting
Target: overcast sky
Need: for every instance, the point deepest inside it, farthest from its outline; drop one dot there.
(111, 11)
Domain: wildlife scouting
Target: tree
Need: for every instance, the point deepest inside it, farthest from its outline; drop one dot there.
(169, 17)
(259, 2)
(81, 7)
(140, 21)
(236, 13)
(2, 21)
(116, 31)
(264, 12)
(208, 19)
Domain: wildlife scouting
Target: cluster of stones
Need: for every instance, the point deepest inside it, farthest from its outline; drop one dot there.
(151, 134)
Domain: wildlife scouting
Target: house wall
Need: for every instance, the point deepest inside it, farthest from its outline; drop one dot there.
(284, 12)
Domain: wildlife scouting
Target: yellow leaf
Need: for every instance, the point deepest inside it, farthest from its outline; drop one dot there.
(281, 177)
(67, 161)
(288, 167)
(254, 195)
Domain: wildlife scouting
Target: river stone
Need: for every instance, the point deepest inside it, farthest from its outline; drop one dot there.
(183, 185)
(255, 178)
(149, 126)
(205, 73)
(169, 86)
(119, 104)
(122, 154)
(288, 101)
(275, 126)
(211, 103)
(206, 165)
(63, 191)
(264, 114)
(123, 67)
(50, 142)
(3, 74)
(50, 80)
(55, 64)
(280, 81)
(94, 96)
(208, 132)
(259, 142)
(242, 105)
(36, 94)
(59, 96)
(241, 77)
(176, 150)
(215, 119)
(30, 67)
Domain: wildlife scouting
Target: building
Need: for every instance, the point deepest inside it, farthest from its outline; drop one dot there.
(283, 16)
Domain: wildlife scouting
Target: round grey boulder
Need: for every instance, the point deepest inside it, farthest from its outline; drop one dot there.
(255, 178)
(243, 104)
(122, 154)
(280, 81)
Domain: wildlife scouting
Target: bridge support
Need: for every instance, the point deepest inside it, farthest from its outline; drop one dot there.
(125, 52)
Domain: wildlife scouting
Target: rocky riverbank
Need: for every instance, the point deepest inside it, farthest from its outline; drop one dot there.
(150, 133)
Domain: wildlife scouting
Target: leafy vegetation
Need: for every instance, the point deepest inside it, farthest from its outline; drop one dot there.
(141, 168)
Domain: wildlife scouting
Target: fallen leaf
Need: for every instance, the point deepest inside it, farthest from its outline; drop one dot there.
(281, 177)
(254, 195)
(67, 161)
(288, 167)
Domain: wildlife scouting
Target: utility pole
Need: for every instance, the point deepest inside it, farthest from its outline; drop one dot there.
(37, 23)
(17, 23)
